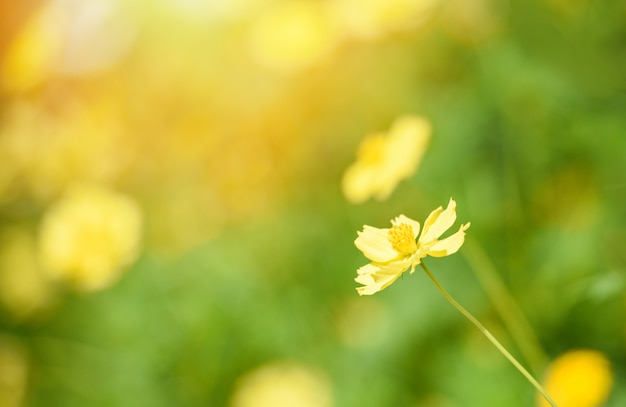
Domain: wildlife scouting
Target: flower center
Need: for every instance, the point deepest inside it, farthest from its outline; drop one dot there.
(371, 150)
(402, 239)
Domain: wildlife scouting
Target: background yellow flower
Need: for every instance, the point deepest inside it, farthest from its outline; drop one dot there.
(385, 159)
(283, 384)
(293, 35)
(578, 378)
(89, 236)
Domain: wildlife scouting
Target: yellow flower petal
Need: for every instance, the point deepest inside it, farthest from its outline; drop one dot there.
(438, 222)
(449, 245)
(375, 245)
(357, 182)
(408, 139)
(406, 144)
(370, 174)
(376, 277)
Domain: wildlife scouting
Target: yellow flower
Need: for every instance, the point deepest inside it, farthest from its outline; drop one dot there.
(283, 384)
(292, 36)
(89, 236)
(383, 160)
(394, 250)
(578, 378)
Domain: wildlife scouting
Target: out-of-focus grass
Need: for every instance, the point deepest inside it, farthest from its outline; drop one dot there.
(236, 160)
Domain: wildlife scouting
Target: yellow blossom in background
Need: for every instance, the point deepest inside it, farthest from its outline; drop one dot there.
(88, 237)
(394, 250)
(283, 384)
(385, 159)
(578, 378)
(292, 36)
(13, 373)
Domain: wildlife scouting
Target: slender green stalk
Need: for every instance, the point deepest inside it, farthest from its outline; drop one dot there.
(489, 336)
(510, 313)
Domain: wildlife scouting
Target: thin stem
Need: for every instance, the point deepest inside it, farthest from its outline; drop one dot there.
(489, 336)
(511, 314)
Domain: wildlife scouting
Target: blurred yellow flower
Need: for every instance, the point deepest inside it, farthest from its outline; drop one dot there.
(393, 251)
(292, 36)
(283, 384)
(578, 378)
(89, 235)
(383, 160)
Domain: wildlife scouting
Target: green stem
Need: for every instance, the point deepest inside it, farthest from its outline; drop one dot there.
(489, 336)
(510, 313)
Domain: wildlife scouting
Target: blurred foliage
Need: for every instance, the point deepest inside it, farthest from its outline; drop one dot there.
(230, 124)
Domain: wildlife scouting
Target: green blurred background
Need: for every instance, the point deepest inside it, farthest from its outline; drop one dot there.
(232, 137)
